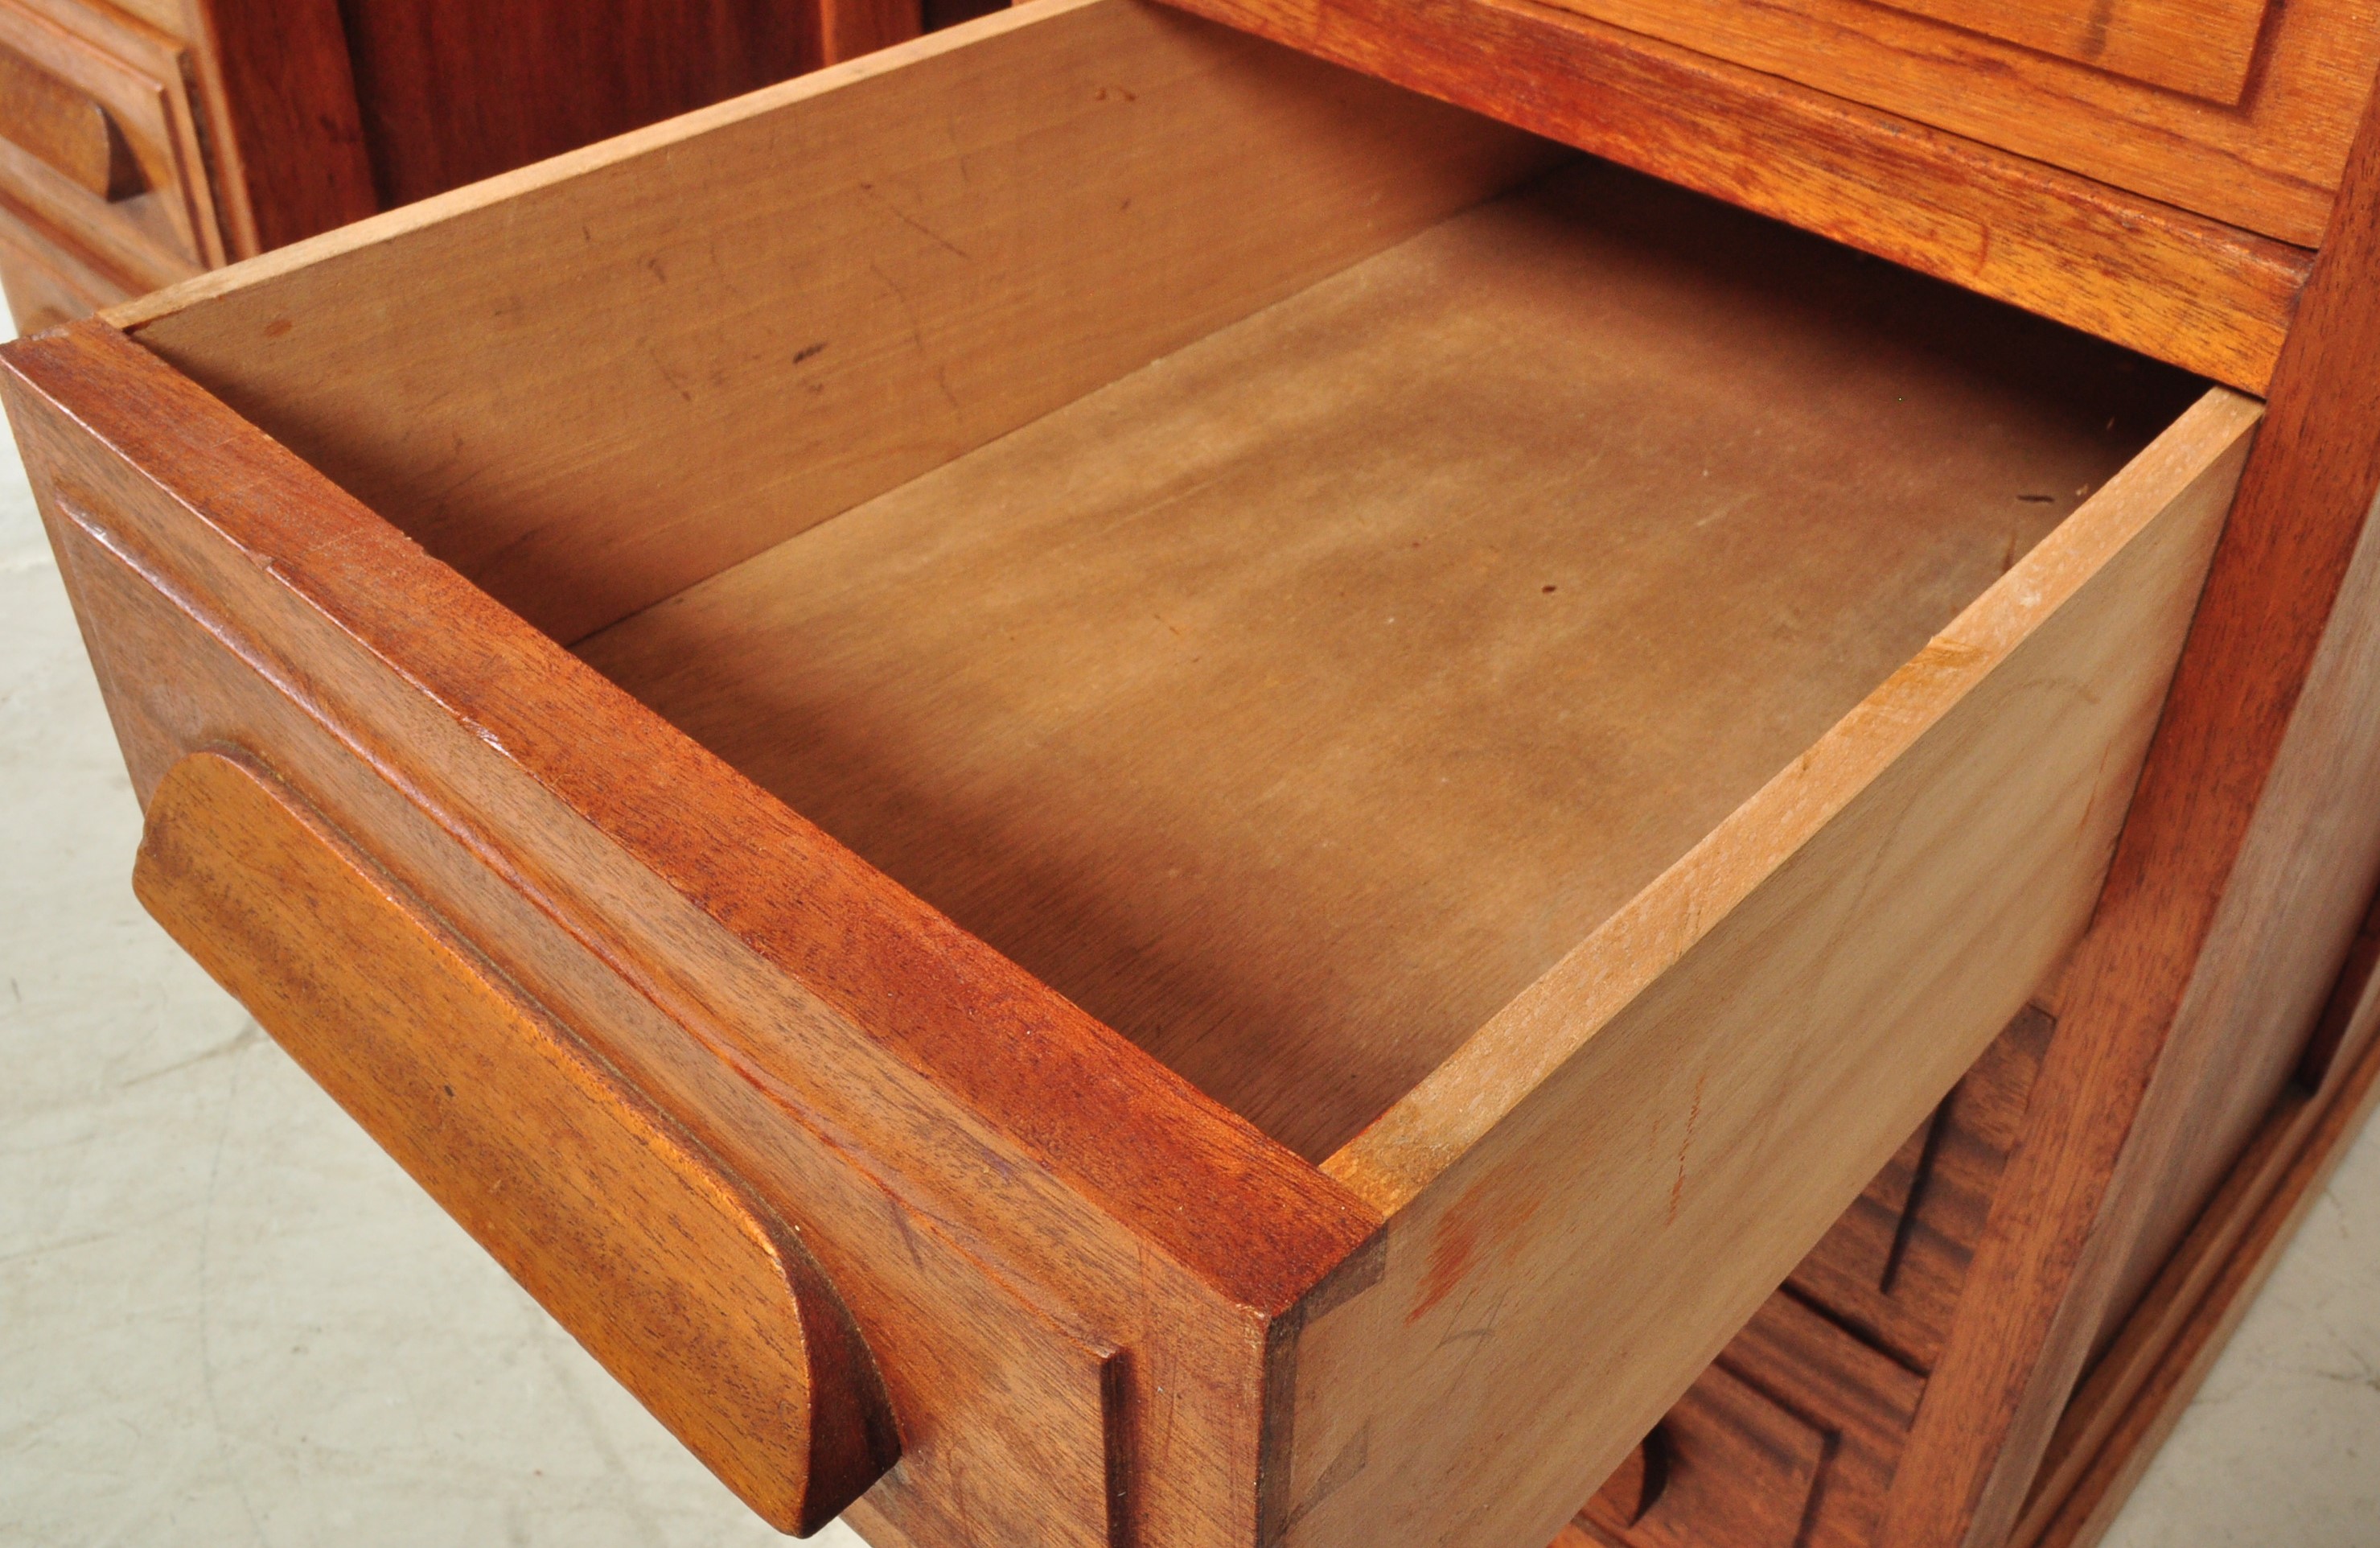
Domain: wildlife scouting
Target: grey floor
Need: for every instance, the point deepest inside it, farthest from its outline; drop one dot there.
(226, 1319)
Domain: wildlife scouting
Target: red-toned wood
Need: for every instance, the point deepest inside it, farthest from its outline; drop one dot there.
(668, 1270)
(453, 91)
(1006, 1194)
(289, 157)
(2177, 286)
(2238, 882)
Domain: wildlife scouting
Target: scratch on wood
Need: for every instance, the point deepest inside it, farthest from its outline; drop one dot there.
(1694, 1115)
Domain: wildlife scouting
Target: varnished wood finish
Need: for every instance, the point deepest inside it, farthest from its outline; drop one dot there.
(665, 1268)
(155, 222)
(2139, 1389)
(46, 283)
(1228, 621)
(2269, 164)
(65, 127)
(2246, 861)
(997, 1246)
(289, 153)
(207, 130)
(1892, 1268)
(453, 91)
(2178, 287)
(1786, 1442)
(1105, 1307)
(2199, 48)
(1793, 1436)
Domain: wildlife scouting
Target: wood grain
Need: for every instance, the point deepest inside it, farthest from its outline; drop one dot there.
(450, 92)
(64, 128)
(2178, 287)
(1404, 631)
(1892, 1269)
(992, 1380)
(665, 1268)
(1787, 1441)
(2246, 863)
(1624, 1163)
(835, 286)
(162, 225)
(46, 283)
(288, 157)
(2269, 164)
(2136, 1393)
(1027, 1267)
(2200, 48)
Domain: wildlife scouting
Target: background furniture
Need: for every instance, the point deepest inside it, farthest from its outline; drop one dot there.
(145, 141)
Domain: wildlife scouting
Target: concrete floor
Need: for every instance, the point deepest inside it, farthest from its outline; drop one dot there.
(226, 1318)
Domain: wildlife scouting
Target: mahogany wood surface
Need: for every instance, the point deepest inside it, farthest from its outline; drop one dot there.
(161, 224)
(46, 283)
(664, 1267)
(882, 1080)
(2246, 861)
(250, 124)
(1104, 1306)
(2254, 137)
(289, 153)
(2200, 48)
(1892, 1268)
(65, 127)
(2139, 1389)
(453, 91)
(1793, 1436)
(2178, 287)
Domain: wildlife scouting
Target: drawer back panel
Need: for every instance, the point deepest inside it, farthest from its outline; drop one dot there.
(655, 358)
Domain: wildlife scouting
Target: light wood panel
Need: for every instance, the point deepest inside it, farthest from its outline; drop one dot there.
(1608, 1178)
(1293, 703)
(655, 358)
(2179, 287)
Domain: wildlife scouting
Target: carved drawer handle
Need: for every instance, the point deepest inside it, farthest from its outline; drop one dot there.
(666, 1268)
(65, 127)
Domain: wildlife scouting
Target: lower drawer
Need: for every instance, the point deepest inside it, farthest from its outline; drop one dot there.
(1292, 792)
(44, 284)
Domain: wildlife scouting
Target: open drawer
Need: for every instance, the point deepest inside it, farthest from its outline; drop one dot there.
(1183, 800)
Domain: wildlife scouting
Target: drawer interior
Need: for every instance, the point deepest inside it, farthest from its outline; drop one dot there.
(1293, 701)
(1289, 699)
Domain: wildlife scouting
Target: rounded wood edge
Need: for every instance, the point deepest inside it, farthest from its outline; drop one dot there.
(683, 1283)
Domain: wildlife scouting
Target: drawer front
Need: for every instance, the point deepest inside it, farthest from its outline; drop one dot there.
(997, 1301)
(46, 283)
(2225, 108)
(668, 1270)
(98, 144)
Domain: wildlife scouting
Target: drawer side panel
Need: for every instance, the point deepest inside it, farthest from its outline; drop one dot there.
(1693, 1097)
